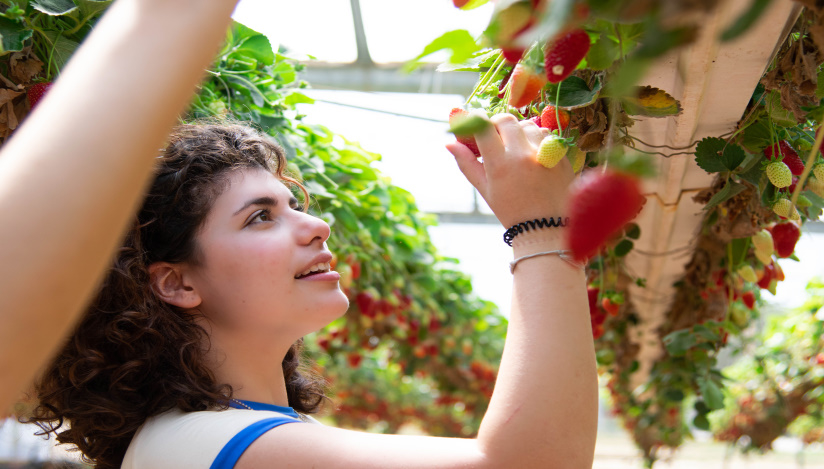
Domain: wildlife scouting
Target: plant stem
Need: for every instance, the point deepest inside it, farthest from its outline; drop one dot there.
(819, 137)
(498, 61)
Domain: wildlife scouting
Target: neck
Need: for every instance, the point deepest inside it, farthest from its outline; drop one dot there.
(252, 367)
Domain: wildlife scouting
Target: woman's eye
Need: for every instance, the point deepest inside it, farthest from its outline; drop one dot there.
(263, 215)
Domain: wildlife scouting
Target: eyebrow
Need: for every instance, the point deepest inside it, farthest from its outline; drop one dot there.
(266, 200)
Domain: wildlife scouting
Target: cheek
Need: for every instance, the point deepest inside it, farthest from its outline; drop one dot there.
(250, 271)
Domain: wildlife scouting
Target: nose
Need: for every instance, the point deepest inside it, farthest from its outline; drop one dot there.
(312, 229)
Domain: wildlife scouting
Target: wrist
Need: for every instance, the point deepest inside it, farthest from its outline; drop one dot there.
(530, 242)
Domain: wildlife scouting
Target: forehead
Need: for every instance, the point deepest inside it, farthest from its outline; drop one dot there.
(249, 183)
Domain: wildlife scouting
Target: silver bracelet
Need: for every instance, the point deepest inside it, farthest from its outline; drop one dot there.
(564, 254)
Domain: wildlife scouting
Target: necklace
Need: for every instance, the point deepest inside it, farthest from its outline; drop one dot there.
(300, 416)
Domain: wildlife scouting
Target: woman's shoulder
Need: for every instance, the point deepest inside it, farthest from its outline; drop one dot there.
(195, 439)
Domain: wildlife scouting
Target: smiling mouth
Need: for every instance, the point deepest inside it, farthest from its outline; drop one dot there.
(320, 268)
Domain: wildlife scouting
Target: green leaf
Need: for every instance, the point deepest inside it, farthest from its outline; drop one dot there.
(479, 61)
(701, 422)
(627, 76)
(657, 41)
(469, 125)
(459, 42)
(89, 8)
(739, 248)
(732, 156)
(623, 248)
(778, 114)
(746, 20)
(259, 48)
(819, 89)
(678, 342)
(730, 190)
(756, 136)
(13, 34)
(707, 154)
(603, 53)
(63, 48)
(651, 102)
(712, 394)
(675, 395)
(574, 93)
(247, 87)
(633, 231)
(54, 7)
(297, 98)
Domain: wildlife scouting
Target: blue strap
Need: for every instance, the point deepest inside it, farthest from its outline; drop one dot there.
(231, 452)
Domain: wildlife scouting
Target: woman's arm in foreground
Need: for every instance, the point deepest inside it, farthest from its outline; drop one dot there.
(543, 412)
(72, 176)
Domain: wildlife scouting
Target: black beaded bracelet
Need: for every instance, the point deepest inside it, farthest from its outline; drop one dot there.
(510, 234)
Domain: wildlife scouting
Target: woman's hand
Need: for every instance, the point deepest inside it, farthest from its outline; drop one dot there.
(515, 186)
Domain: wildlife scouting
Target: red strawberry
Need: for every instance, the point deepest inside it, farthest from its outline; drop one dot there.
(769, 276)
(467, 140)
(749, 299)
(549, 121)
(366, 304)
(790, 156)
(610, 306)
(354, 359)
(459, 3)
(536, 120)
(36, 93)
(512, 54)
(564, 53)
(524, 85)
(785, 235)
(601, 203)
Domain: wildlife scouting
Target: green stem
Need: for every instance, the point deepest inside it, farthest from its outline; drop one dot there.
(498, 61)
(819, 137)
(557, 112)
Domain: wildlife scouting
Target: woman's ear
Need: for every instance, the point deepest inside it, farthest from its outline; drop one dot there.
(171, 285)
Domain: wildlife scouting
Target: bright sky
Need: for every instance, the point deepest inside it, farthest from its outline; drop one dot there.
(395, 31)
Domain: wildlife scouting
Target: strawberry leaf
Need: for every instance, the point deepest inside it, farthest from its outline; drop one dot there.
(707, 154)
(459, 42)
(780, 116)
(730, 190)
(469, 125)
(90, 8)
(651, 102)
(712, 394)
(54, 7)
(603, 53)
(747, 19)
(574, 93)
(732, 156)
(13, 34)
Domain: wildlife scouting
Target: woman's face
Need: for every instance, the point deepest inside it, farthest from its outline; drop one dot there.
(253, 246)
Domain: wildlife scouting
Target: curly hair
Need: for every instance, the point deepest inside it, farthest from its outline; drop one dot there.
(133, 356)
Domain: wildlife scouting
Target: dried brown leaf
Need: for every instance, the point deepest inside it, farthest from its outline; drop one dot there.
(591, 141)
(600, 123)
(23, 67)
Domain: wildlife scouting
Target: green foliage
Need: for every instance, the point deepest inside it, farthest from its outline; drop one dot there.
(573, 93)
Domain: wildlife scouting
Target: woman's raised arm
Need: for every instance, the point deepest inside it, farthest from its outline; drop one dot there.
(72, 175)
(543, 412)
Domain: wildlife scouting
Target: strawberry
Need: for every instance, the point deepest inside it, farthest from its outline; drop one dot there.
(749, 299)
(816, 185)
(549, 121)
(779, 174)
(563, 54)
(818, 171)
(354, 359)
(552, 150)
(601, 203)
(36, 93)
(763, 243)
(747, 273)
(525, 85)
(610, 306)
(785, 208)
(785, 235)
(468, 140)
(768, 280)
(779, 272)
(459, 3)
(536, 120)
(782, 151)
(507, 24)
(512, 54)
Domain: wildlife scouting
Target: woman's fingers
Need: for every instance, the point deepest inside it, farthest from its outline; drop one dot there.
(469, 165)
(534, 133)
(512, 134)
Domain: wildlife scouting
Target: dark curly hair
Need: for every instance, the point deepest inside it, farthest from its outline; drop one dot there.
(133, 356)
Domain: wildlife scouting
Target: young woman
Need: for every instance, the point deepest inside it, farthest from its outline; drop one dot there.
(176, 362)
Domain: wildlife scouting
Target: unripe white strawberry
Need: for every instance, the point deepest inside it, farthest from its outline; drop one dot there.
(747, 273)
(763, 243)
(818, 171)
(779, 174)
(552, 150)
(786, 209)
(816, 185)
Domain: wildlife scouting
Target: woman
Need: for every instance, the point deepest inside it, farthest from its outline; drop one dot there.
(201, 302)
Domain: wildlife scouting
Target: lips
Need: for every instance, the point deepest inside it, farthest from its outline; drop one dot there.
(323, 258)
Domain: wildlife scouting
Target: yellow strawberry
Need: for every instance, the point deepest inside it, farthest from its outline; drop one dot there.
(552, 150)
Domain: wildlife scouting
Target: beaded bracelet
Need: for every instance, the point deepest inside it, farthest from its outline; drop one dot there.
(510, 234)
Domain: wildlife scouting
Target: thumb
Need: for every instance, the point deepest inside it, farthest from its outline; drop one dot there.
(469, 165)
